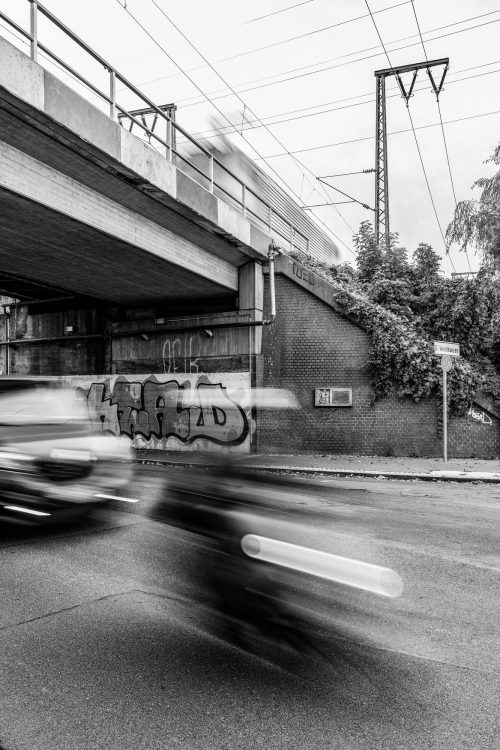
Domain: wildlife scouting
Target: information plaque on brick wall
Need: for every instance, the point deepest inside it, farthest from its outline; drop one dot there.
(333, 396)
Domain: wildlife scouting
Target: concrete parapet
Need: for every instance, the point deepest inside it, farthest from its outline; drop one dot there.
(21, 76)
(68, 108)
(49, 101)
(141, 158)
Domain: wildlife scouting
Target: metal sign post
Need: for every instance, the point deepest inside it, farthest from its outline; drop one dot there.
(447, 350)
(446, 365)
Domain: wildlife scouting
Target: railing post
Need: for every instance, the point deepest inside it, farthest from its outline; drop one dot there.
(168, 138)
(34, 30)
(112, 94)
(211, 173)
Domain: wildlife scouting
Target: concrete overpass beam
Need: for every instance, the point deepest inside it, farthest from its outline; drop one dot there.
(26, 176)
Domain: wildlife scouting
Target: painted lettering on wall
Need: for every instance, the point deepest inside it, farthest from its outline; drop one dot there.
(480, 416)
(178, 354)
(302, 273)
(187, 410)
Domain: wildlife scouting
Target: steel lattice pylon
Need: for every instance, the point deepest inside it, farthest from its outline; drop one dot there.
(382, 231)
(381, 176)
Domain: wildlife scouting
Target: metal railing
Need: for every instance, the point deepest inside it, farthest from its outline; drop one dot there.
(258, 211)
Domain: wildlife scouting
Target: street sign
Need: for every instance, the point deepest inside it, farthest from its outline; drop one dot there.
(447, 347)
(447, 350)
(446, 363)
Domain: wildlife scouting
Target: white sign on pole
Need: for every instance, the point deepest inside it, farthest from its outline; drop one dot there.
(447, 347)
(447, 350)
(446, 362)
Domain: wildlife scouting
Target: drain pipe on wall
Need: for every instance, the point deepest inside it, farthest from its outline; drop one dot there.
(273, 253)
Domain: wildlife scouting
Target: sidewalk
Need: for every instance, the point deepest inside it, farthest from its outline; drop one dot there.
(458, 469)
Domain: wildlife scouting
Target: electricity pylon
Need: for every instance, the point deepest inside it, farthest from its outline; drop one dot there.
(381, 172)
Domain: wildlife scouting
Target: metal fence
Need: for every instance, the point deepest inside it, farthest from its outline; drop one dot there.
(243, 197)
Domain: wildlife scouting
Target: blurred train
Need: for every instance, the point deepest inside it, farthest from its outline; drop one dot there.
(287, 222)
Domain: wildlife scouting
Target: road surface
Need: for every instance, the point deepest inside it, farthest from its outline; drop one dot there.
(100, 649)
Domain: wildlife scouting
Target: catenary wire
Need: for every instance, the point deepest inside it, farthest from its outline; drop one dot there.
(321, 179)
(442, 126)
(155, 41)
(216, 132)
(416, 142)
(350, 20)
(211, 66)
(276, 12)
(367, 49)
(298, 163)
(394, 132)
(215, 95)
(304, 67)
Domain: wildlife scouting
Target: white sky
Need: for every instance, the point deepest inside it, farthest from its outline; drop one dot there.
(339, 62)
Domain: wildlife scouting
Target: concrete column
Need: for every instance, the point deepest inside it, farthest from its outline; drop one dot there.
(251, 300)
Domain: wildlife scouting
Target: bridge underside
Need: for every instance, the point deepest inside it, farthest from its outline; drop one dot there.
(44, 253)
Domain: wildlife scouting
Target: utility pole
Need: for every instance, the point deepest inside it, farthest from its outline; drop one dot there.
(381, 173)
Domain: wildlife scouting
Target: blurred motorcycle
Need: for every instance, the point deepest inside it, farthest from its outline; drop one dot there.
(255, 580)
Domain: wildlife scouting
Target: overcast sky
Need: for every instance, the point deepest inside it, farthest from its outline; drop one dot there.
(306, 69)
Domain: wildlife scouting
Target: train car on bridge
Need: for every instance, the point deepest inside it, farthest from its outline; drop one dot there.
(262, 199)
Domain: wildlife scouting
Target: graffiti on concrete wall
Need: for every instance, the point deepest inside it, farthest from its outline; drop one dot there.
(480, 416)
(178, 354)
(157, 410)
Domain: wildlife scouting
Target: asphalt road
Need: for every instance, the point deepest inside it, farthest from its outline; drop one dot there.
(99, 647)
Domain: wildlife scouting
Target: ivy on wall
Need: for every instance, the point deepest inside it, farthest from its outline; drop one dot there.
(402, 359)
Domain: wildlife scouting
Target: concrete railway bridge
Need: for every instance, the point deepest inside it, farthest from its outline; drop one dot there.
(131, 276)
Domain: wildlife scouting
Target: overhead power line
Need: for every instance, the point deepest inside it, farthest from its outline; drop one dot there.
(218, 95)
(346, 174)
(153, 39)
(442, 128)
(297, 162)
(333, 203)
(254, 124)
(221, 94)
(351, 20)
(394, 132)
(313, 32)
(157, 43)
(276, 12)
(321, 179)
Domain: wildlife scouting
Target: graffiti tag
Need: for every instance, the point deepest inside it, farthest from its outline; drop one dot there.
(167, 409)
(480, 416)
(178, 355)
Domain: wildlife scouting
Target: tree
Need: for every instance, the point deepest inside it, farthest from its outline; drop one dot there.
(368, 252)
(460, 310)
(476, 223)
(426, 265)
(384, 271)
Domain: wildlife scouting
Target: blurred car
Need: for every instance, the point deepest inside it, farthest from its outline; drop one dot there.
(53, 468)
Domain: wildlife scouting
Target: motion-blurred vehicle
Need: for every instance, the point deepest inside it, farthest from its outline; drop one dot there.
(257, 554)
(52, 467)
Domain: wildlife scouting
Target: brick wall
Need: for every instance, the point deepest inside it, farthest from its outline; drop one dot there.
(310, 345)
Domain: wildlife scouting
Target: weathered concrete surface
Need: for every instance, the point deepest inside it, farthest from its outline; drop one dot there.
(65, 161)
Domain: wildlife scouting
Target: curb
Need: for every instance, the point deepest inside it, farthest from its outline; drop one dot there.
(437, 476)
